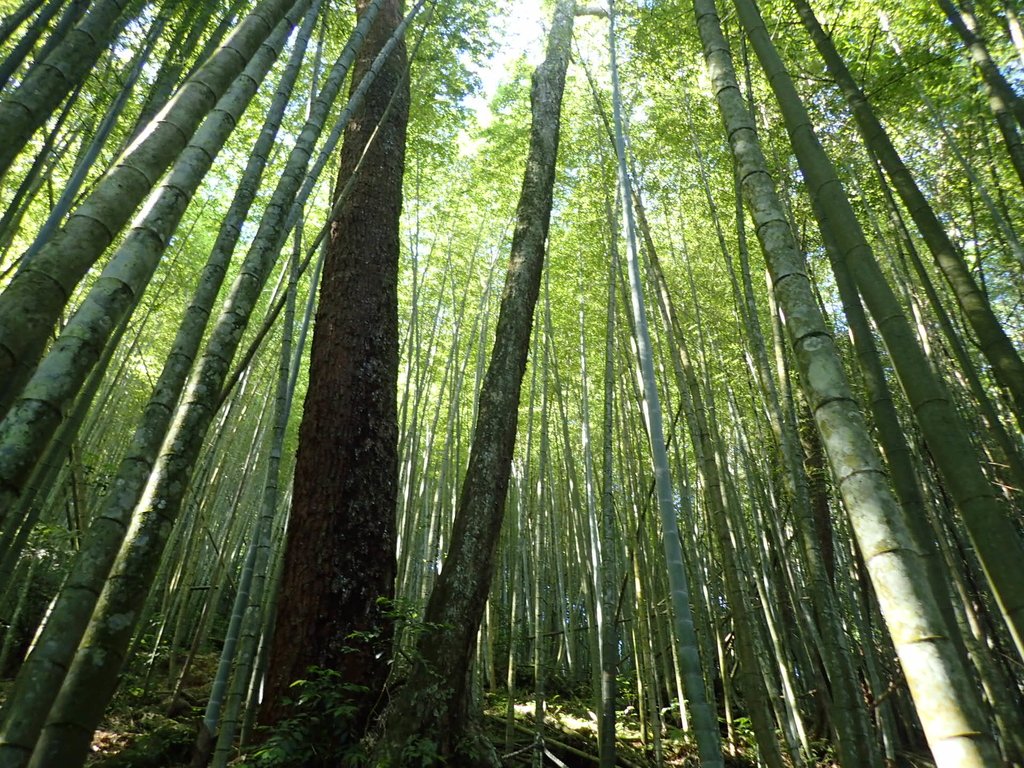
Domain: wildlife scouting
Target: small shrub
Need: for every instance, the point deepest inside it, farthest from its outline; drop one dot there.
(319, 731)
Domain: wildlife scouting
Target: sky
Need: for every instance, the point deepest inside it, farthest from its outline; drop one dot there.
(520, 29)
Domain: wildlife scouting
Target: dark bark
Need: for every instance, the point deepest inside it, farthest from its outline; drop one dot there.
(433, 705)
(817, 488)
(340, 556)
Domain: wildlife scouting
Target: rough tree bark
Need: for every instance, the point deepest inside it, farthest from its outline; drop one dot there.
(341, 538)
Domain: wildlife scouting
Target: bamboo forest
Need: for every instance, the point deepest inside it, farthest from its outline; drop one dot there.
(489, 383)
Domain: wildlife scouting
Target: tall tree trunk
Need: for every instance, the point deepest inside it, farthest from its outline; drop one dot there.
(38, 683)
(21, 14)
(1007, 107)
(339, 559)
(713, 472)
(13, 60)
(221, 716)
(92, 677)
(117, 291)
(97, 140)
(435, 697)
(609, 632)
(991, 529)
(943, 690)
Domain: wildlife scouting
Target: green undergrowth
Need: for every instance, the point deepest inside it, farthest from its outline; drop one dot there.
(145, 728)
(570, 736)
(146, 725)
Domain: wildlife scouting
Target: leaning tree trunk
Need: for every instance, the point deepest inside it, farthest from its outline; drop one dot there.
(49, 80)
(340, 557)
(97, 140)
(705, 727)
(32, 302)
(21, 14)
(29, 424)
(1007, 108)
(990, 527)
(92, 676)
(995, 345)
(217, 730)
(435, 697)
(41, 676)
(947, 703)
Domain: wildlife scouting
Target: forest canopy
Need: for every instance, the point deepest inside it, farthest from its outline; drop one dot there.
(435, 382)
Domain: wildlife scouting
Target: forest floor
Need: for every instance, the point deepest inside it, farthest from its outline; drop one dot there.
(145, 729)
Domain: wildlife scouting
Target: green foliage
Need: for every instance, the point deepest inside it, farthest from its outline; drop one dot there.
(462, 179)
(421, 751)
(320, 729)
(167, 744)
(458, 40)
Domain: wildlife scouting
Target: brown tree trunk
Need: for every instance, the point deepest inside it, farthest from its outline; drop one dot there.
(433, 704)
(340, 551)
